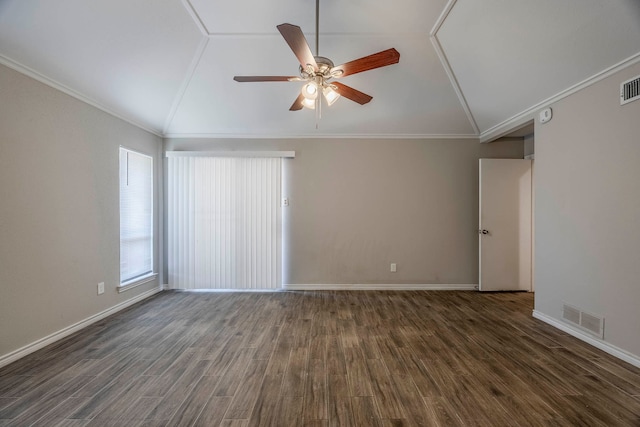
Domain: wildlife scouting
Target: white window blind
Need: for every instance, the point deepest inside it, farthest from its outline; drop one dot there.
(223, 223)
(136, 215)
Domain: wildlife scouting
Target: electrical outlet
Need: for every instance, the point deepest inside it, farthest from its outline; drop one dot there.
(100, 288)
(393, 267)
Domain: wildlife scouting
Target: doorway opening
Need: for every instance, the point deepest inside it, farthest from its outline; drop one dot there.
(506, 218)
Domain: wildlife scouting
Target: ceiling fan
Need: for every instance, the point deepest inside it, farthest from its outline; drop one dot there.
(318, 71)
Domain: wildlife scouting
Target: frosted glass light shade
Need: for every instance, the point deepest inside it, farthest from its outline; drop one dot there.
(330, 95)
(310, 90)
(309, 103)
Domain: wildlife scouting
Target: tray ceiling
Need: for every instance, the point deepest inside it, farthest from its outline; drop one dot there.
(168, 66)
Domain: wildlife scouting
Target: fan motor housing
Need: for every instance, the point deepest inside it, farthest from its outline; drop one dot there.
(324, 66)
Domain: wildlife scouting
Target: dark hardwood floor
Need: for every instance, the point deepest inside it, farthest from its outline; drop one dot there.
(321, 359)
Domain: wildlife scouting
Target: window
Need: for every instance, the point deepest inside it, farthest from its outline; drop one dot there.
(136, 216)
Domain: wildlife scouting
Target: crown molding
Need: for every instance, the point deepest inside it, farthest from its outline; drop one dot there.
(442, 56)
(195, 61)
(77, 95)
(443, 17)
(316, 136)
(513, 122)
(23, 69)
(521, 118)
(454, 82)
(196, 17)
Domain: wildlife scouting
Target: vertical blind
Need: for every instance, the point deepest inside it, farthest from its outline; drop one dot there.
(136, 215)
(223, 223)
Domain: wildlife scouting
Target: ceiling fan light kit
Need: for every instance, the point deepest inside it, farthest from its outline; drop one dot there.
(318, 81)
(330, 95)
(317, 71)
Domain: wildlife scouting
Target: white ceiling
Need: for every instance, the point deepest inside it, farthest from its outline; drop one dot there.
(510, 55)
(168, 65)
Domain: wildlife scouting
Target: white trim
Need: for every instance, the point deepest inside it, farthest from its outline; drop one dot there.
(195, 61)
(263, 154)
(23, 69)
(506, 126)
(43, 342)
(589, 339)
(379, 287)
(136, 281)
(442, 56)
(207, 291)
(319, 136)
(194, 15)
(454, 83)
(123, 287)
(311, 34)
(443, 16)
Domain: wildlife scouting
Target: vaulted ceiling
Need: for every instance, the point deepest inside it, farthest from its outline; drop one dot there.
(467, 68)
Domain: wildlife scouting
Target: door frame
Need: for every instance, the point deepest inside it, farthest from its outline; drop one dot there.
(482, 231)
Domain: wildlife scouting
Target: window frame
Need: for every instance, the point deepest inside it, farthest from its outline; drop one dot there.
(152, 274)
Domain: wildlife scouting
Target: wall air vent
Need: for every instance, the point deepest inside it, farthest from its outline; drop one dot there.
(571, 314)
(593, 324)
(585, 321)
(630, 90)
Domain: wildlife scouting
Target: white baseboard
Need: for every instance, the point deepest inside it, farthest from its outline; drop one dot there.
(43, 342)
(378, 287)
(226, 291)
(602, 345)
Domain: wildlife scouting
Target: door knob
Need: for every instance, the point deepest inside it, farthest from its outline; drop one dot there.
(483, 231)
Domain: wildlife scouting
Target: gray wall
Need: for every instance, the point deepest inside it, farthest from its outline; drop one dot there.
(588, 209)
(358, 205)
(59, 218)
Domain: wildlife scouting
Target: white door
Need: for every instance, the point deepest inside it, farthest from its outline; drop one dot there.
(505, 225)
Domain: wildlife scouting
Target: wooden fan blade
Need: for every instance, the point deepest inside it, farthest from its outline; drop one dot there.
(298, 43)
(376, 60)
(265, 78)
(351, 93)
(297, 104)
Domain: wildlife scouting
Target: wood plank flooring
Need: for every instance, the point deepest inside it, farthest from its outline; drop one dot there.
(321, 359)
